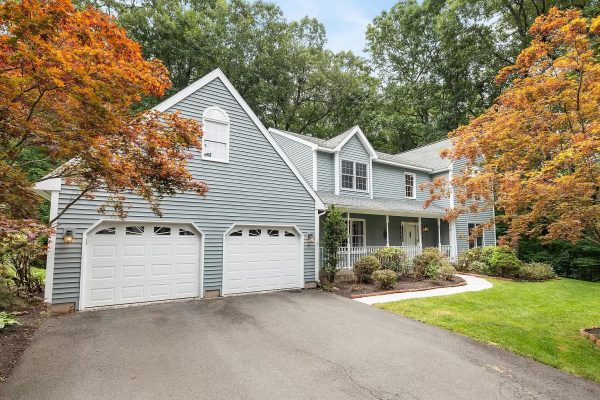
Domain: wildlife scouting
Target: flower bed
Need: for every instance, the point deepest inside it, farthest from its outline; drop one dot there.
(593, 334)
(404, 284)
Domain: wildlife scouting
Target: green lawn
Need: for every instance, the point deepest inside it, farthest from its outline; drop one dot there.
(540, 320)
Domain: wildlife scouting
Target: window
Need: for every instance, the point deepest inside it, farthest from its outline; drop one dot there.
(254, 232)
(354, 176)
(357, 233)
(273, 232)
(134, 230)
(185, 232)
(236, 233)
(475, 242)
(289, 234)
(106, 231)
(409, 186)
(162, 231)
(215, 139)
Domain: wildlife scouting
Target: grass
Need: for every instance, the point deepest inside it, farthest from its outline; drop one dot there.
(540, 320)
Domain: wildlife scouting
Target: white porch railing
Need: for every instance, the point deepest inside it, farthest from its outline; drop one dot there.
(347, 256)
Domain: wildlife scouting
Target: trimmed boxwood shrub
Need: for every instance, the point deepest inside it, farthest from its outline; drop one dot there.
(385, 278)
(504, 262)
(536, 271)
(364, 267)
(474, 259)
(446, 270)
(428, 263)
(392, 258)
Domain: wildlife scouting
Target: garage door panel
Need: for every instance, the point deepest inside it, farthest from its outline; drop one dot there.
(265, 261)
(126, 268)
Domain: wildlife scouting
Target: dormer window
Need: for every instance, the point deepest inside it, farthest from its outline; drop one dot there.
(410, 191)
(354, 176)
(215, 138)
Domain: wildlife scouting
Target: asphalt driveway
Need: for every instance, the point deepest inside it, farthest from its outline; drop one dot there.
(305, 345)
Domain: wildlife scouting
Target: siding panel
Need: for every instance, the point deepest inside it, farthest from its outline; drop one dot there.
(300, 154)
(325, 172)
(255, 187)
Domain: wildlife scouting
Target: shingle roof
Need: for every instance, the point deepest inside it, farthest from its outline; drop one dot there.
(381, 204)
(427, 156)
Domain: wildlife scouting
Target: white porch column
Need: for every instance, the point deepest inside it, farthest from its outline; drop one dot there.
(439, 235)
(348, 241)
(420, 234)
(387, 231)
(453, 244)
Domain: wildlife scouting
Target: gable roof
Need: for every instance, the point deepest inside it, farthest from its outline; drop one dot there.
(218, 74)
(425, 158)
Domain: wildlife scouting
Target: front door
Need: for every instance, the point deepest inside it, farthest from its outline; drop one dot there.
(410, 234)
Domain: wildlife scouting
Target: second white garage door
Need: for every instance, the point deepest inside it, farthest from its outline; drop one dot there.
(262, 258)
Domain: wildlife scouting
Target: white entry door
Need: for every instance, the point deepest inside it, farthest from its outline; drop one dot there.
(262, 258)
(410, 234)
(132, 262)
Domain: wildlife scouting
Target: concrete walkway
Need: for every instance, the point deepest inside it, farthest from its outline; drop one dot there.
(474, 284)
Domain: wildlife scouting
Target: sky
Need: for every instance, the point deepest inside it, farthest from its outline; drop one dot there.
(345, 20)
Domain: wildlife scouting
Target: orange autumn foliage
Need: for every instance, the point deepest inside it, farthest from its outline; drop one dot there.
(534, 155)
(68, 80)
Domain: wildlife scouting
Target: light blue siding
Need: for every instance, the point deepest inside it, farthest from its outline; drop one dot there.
(354, 150)
(389, 182)
(325, 172)
(255, 187)
(299, 154)
(462, 230)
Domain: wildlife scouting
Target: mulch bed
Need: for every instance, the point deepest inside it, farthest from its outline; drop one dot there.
(14, 339)
(404, 284)
(593, 334)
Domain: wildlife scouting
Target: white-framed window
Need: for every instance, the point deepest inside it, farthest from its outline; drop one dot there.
(215, 138)
(477, 241)
(410, 181)
(354, 176)
(357, 233)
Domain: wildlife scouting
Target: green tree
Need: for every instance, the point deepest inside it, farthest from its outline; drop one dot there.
(335, 231)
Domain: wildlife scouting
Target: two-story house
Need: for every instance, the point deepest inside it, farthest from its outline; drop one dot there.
(380, 193)
(257, 228)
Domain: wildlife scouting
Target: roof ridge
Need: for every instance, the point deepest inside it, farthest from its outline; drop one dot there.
(423, 145)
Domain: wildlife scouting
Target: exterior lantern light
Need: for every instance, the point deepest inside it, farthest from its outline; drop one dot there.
(68, 236)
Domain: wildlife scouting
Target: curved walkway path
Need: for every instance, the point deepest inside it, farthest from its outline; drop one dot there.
(474, 284)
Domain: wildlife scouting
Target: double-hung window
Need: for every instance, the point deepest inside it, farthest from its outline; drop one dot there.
(357, 233)
(475, 241)
(354, 176)
(410, 191)
(215, 138)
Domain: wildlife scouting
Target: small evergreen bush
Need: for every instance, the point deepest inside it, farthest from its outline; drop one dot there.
(504, 262)
(385, 278)
(428, 263)
(446, 270)
(364, 267)
(536, 271)
(392, 258)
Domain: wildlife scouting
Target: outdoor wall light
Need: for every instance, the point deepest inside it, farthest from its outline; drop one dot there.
(310, 238)
(68, 236)
(425, 228)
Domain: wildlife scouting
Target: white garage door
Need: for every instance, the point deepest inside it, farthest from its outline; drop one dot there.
(139, 262)
(262, 258)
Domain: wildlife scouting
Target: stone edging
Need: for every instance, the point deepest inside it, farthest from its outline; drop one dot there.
(359, 296)
(593, 338)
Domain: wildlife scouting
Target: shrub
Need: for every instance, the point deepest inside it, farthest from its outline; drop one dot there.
(7, 319)
(446, 270)
(504, 262)
(428, 263)
(385, 278)
(479, 267)
(364, 267)
(392, 258)
(471, 260)
(536, 271)
(335, 231)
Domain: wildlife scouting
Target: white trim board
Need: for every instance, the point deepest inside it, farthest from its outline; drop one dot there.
(218, 74)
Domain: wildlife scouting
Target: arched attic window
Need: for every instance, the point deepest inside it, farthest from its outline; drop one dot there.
(215, 140)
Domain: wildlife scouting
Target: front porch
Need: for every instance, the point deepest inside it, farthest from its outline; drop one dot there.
(369, 232)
